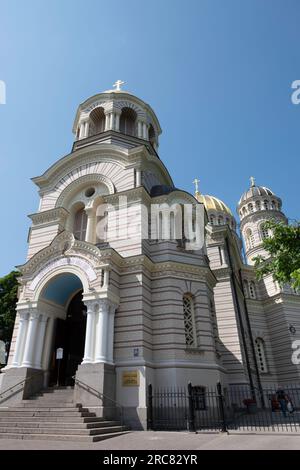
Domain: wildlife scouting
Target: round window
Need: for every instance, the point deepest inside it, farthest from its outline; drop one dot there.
(89, 192)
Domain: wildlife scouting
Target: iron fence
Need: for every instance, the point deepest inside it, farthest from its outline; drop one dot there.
(197, 408)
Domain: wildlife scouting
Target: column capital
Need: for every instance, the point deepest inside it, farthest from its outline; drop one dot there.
(23, 314)
(89, 210)
(92, 306)
(34, 314)
(44, 317)
(99, 305)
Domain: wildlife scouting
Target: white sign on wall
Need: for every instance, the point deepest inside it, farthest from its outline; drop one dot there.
(59, 353)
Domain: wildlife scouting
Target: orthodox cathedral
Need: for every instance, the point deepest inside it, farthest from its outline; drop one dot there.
(107, 314)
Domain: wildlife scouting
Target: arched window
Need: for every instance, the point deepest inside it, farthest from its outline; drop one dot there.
(261, 355)
(264, 232)
(244, 210)
(227, 221)
(273, 205)
(257, 205)
(249, 239)
(246, 288)
(252, 290)
(80, 223)
(266, 205)
(152, 135)
(189, 320)
(212, 219)
(220, 220)
(97, 121)
(250, 207)
(128, 121)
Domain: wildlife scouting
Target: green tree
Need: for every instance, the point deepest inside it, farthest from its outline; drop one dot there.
(8, 300)
(283, 246)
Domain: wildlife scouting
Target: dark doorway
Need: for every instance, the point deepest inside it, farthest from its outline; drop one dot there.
(70, 336)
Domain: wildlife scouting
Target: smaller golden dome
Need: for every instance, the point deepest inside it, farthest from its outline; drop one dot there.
(213, 203)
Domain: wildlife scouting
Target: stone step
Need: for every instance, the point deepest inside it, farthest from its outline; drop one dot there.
(44, 413)
(61, 437)
(68, 431)
(57, 389)
(58, 424)
(54, 395)
(45, 408)
(54, 419)
(47, 404)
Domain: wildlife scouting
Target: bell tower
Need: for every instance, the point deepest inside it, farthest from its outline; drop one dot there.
(118, 117)
(257, 205)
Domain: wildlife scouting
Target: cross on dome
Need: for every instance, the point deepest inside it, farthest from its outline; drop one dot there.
(117, 85)
(196, 181)
(252, 181)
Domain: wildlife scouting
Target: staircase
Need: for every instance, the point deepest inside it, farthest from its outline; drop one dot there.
(52, 415)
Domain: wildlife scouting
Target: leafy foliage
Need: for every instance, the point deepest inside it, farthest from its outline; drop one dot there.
(284, 249)
(8, 300)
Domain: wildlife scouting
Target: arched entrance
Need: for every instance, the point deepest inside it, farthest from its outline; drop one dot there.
(65, 292)
(70, 337)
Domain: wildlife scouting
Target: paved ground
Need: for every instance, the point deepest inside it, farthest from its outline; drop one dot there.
(166, 441)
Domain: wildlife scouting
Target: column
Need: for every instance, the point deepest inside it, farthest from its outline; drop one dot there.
(106, 122)
(111, 322)
(138, 178)
(117, 127)
(31, 339)
(90, 333)
(145, 131)
(106, 278)
(90, 227)
(140, 130)
(23, 324)
(112, 121)
(40, 341)
(81, 133)
(102, 333)
(48, 343)
(86, 129)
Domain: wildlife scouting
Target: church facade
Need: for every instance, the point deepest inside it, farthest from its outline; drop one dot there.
(108, 309)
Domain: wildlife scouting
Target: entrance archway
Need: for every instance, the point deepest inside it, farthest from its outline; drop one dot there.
(70, 337)
(65, 292)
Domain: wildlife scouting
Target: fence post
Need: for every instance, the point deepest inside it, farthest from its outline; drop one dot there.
(191, 416)
(150, 409)
(221, 406)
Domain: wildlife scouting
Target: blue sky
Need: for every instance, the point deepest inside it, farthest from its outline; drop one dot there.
(218, 73)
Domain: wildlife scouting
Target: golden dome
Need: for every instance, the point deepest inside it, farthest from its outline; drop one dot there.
(213, 203)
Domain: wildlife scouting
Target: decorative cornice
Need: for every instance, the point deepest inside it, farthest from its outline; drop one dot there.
(58, 214)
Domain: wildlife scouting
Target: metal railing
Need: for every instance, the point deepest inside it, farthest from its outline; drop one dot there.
(100, 395)
(199, 408)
